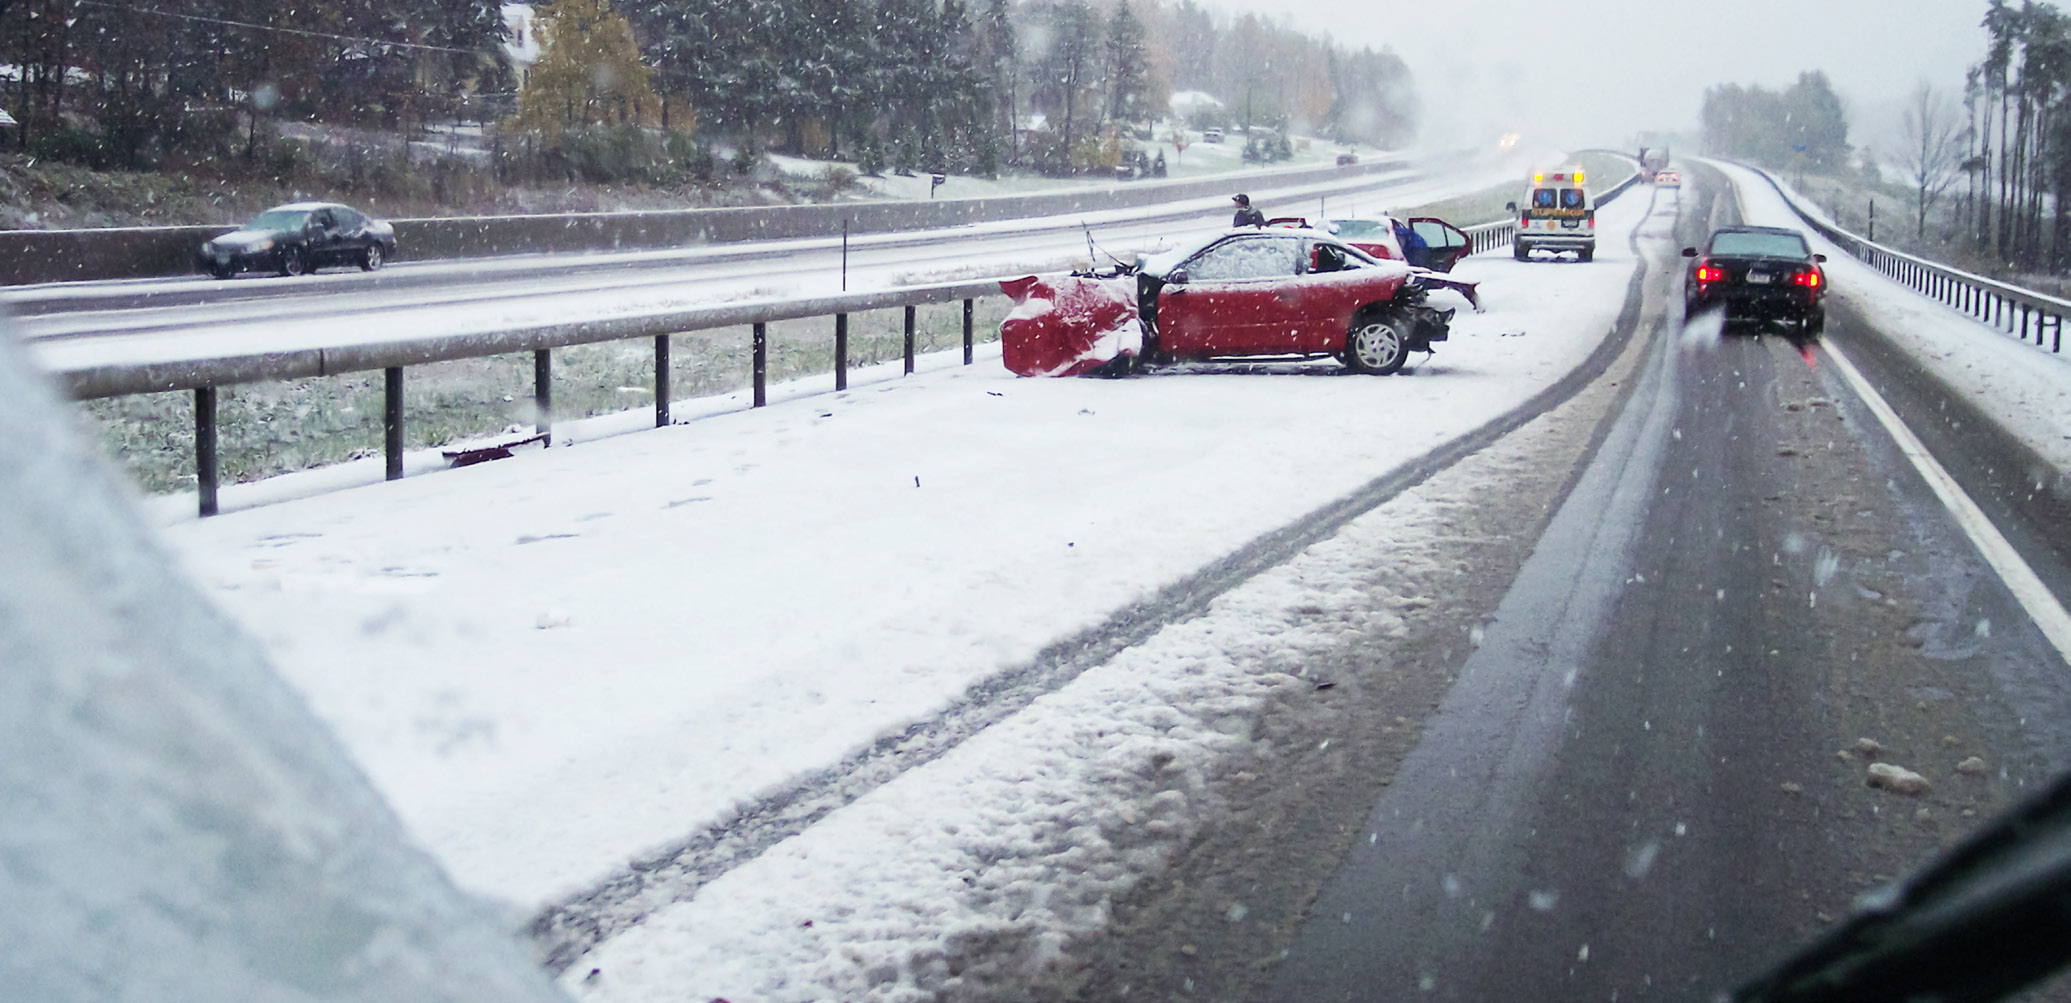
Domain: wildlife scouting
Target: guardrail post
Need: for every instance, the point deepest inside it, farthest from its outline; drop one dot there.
(909, 339)
(2057, 340)
(967, 332)
(205, 448)
(761, 364)
(543, 393)
(392, 421)
(2024, 325)
(841, 351)
(661, 380)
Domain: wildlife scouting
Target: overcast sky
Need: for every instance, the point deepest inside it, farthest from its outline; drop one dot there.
(1595, 72)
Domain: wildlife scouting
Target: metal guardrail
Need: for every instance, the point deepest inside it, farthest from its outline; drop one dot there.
(205, 375)
(2017, 311)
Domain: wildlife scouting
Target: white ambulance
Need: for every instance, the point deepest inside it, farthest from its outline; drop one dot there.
(1558, 215)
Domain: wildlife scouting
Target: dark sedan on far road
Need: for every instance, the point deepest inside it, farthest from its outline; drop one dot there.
(1757, 273)
(300, 238)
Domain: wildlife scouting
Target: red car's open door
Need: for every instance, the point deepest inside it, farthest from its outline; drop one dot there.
(1445, 243)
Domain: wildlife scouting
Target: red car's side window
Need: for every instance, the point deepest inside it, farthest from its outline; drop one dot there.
(1247, 258)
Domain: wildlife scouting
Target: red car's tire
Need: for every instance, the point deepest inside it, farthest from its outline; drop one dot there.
(1377, 344)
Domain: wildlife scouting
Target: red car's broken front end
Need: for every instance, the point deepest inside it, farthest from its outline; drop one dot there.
(1275, 292)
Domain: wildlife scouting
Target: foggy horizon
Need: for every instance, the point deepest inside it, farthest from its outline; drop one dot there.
(1599, 73)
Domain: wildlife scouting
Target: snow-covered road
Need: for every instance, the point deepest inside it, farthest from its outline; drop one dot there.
(560, 664)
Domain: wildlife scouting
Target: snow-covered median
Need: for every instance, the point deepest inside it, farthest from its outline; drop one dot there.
(555, 664)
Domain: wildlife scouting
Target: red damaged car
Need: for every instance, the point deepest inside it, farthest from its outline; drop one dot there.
(1283, 293)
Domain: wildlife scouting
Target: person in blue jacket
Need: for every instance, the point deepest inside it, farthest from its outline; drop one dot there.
(1415, 249)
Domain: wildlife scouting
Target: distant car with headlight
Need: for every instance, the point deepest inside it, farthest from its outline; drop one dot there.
(300, 238)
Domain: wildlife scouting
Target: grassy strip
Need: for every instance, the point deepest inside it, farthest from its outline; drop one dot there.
(280, 427)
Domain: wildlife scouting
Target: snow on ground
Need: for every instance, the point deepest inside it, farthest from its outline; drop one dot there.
(554, 664)
(972, 872)
(2025, 389)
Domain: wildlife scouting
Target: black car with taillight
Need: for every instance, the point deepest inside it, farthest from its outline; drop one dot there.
(1760, 274)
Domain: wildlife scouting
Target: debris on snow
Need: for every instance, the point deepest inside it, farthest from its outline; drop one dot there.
(1897, 780)
(1972, 767)
(1868, 748)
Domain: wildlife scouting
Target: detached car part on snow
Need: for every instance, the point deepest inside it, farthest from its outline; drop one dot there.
(1278, 293)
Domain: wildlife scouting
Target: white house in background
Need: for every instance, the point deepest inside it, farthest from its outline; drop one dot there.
(520, 45)
(1186, 103)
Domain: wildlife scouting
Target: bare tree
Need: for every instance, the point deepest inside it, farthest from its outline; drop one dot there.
(1934, 148)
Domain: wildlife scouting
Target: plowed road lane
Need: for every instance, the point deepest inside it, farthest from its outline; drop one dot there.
(1640, 785)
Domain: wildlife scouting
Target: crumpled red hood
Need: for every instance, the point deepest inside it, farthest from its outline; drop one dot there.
(1068, 325)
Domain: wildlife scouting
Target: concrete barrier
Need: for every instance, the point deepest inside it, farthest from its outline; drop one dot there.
(30, 256)
(34, 256)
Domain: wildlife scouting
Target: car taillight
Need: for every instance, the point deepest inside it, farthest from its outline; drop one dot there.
(1810, 280)
(1710, 273)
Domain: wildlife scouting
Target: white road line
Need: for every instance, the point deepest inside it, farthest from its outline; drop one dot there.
(2027, 589)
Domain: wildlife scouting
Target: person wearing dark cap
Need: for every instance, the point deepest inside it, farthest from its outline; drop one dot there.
(1246, 215)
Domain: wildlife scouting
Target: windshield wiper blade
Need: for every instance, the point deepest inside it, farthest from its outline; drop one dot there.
(1987, 919)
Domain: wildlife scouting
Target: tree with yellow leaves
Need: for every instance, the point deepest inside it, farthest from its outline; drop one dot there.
(589, 71)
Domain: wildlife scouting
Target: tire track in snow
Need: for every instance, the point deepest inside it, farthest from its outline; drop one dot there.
(565, 930)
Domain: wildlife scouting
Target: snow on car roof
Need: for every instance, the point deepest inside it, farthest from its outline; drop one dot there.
(305, 206)
(1163, 261)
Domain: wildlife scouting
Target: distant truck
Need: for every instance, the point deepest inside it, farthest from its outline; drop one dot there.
(1652, 162)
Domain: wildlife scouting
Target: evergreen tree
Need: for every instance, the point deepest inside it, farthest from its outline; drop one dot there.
(997, 54)
(1814, 120)
(1067, 75)
(1128, 68)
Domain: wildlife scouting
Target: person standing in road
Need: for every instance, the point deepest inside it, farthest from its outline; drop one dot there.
(1246, 215)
